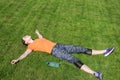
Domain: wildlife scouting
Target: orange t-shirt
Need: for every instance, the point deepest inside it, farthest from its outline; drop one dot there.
(42, 44)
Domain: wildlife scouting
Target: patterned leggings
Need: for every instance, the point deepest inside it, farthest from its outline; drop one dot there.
(64, 52)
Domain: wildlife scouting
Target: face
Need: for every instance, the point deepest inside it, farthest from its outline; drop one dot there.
(27, 39)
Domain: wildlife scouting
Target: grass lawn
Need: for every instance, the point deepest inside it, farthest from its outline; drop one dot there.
(90, 23)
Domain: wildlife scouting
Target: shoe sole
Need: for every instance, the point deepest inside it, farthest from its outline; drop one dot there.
(101, 76)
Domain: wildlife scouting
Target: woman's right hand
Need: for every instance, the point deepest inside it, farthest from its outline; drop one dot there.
(36, 31)
(14, 61)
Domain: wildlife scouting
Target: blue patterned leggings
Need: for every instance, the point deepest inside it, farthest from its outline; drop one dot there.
(64, 52)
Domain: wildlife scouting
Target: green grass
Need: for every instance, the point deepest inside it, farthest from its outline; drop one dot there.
(90, 23)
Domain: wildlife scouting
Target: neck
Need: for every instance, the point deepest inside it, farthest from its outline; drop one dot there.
(31, 41)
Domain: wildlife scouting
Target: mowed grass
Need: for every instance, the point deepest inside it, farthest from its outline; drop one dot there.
(88, 23)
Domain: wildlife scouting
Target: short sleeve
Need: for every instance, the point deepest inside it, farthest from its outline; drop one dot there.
(30, 47)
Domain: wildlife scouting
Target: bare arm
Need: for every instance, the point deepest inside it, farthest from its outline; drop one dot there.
(38, 34)
(25, 54)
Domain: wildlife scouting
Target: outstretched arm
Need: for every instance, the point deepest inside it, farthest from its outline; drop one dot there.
(38, 34)
(25, 54)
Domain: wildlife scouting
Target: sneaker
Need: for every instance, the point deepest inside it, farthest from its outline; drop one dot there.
(98, 75)
(108, 51)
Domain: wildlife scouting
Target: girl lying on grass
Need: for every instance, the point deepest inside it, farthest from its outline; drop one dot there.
(61, 51)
